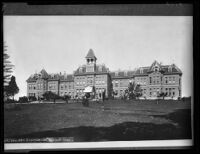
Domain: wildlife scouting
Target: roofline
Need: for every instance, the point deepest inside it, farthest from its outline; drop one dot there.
(91, 73)
(66, 80)
(53, 80)
(122, 77)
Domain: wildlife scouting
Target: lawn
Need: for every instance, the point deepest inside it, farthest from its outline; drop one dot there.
(27, 119)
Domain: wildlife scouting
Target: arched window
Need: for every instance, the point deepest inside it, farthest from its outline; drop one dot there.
(156, 69)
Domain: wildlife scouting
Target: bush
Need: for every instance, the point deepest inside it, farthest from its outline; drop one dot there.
(11, 101)
(32, 98)
(23, 99)
(66, 98)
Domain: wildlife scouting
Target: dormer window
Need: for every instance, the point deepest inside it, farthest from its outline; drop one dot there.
(100, 68)
(156, 69)
(141, 70)
(169, 69)
(80, 69)
(125, 73)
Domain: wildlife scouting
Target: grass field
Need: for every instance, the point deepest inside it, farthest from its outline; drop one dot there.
(63, 119)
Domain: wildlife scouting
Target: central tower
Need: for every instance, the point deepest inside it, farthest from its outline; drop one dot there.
(90, 61)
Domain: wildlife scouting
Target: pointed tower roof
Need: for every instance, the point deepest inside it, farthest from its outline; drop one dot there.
(90, 54)
(44, 73)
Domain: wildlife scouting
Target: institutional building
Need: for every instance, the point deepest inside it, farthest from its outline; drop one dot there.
(153, 79)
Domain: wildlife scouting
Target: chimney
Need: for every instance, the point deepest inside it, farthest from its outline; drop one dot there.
(65, 75)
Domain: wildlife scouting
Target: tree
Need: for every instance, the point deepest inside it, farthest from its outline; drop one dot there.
(50, 95)
(7, 67)
(112, 93)
(66, 98)
(23, 99)
(131, 88)
(32, 98)
(12, 88)
(134, 90)
(162, 94)
(138, 91)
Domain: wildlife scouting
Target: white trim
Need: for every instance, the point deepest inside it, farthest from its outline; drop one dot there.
(92, 145)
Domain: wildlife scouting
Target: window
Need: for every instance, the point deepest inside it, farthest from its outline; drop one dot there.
(154, 80)
(166, 81)
(150, 80)
(125, 73)
(169, 69)
(80, 69)
(100, 68)
(141, 70)
(174, 79)
(61, 86)
(116, 84)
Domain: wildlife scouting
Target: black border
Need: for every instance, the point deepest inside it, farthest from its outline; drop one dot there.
(35, 8)
(196, 41)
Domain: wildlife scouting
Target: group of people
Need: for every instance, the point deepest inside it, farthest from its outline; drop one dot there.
(101, 96)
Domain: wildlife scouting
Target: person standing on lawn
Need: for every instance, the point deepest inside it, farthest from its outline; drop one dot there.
(85, 101)
(103, 95)
(100, 95)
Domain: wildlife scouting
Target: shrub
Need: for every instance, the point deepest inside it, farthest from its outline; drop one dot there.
(11, 101)
(32, 98)
(23, 99)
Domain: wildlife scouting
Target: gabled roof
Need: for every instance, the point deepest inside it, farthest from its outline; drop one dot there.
(91, 54)
(154, 64)
(44, 73)
(164, 69)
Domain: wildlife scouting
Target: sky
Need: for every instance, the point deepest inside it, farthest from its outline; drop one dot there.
(60, 43)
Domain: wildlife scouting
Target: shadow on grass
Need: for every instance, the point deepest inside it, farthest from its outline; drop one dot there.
(127, 131)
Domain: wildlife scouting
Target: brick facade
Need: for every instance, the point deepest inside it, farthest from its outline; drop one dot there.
(153, 79)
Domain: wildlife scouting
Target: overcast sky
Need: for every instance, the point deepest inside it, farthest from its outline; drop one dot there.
(60, 43)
